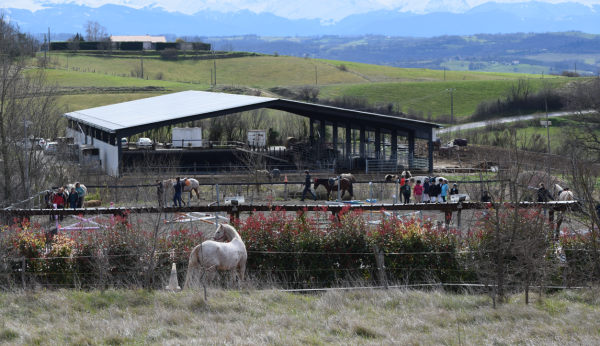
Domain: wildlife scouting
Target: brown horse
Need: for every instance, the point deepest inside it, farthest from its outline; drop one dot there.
(345, 185)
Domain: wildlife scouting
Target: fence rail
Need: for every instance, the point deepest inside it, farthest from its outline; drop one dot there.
(444, 207)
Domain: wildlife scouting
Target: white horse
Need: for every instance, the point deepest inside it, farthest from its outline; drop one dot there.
(225, 252)
(561, 195)
(169, 183)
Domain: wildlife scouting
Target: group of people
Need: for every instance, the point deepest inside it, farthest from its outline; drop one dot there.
(428, 192)
(63, 198)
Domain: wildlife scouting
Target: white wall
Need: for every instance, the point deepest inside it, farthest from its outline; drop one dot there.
(109, 154)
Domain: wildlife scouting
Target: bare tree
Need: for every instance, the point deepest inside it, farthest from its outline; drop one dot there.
(25, 100)
(94, 31)
(73, 44)
(105, 45)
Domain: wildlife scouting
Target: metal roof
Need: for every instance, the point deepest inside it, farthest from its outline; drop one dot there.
(161, 108)
(140, 115)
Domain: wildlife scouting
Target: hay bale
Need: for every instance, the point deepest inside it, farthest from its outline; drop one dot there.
(92, 203)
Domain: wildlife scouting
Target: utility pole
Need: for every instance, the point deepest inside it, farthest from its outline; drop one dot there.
(316, 77)
(142, 63)
(451, 106)
(215, 65)
(45, 50)
(548, 132)
(211, 77)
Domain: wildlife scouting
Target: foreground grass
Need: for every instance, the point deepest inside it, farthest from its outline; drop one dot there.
(274, 318)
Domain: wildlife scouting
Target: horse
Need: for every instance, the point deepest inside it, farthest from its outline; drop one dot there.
(561, 195)
(263, 173)
(348, 176)
(226, 251)
(169, 183)
(345, 184)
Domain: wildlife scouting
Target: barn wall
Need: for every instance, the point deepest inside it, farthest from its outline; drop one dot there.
(109, 154)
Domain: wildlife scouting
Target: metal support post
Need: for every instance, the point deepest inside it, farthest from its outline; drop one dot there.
(377, 143)
(411, 149)
(394, 143)
(348, 141)
(217, 213)
(362, 142)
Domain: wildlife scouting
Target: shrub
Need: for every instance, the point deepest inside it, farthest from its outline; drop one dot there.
(93, 197)
(170, 54)
(287, 247)
(159, 76)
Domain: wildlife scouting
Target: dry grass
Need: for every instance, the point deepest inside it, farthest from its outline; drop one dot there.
(368, 317)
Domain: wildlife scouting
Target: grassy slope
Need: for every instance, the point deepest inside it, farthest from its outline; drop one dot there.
(378, 73)
(432, 96)
(365, 317)
(77, 102)
(251, 71)
(419, 89)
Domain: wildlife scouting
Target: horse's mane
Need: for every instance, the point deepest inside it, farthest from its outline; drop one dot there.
(230, 228)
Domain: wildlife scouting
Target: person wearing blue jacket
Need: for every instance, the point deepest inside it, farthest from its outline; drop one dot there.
(444, 190)
(426, 191)
(177, 196)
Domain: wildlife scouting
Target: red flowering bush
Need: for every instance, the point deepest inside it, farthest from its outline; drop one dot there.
(322, 249)
(119, 253)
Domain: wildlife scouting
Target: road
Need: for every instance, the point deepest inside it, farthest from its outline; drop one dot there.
(503, 120)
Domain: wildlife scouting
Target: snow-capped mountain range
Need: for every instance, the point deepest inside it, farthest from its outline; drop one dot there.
(307, 17)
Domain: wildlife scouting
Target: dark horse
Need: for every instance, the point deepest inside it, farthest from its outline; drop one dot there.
(345, 185)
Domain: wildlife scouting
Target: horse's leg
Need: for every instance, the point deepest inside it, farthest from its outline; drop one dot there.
(558, 223)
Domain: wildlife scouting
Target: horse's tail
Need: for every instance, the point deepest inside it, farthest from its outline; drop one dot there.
(351, 190)
(193, 263)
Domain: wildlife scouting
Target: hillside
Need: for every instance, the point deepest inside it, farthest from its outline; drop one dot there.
(93, 81)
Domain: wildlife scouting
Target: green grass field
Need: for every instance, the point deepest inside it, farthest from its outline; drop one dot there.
(417, 89)
(523, 70)
(378, 73)
(258, 72)
(432, 96)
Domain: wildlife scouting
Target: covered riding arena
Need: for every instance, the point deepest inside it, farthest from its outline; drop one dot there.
(377, 142)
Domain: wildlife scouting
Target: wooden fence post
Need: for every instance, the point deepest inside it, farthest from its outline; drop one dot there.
(380, 265)
(23, 268)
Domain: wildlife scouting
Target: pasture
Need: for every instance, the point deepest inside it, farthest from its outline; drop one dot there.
(432, 97)
(363, 317)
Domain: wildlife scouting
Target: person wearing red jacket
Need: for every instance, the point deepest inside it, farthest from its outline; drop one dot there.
(59, 200)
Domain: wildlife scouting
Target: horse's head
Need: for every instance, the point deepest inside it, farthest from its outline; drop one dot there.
(225, 233)
(317, 183)
(220, 235)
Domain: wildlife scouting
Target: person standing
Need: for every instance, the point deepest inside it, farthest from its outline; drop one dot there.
(59, 200)
(433, 191)
(307, 184)
(177, 196)
(486, 198)
(402, 180)
(544, 195)
(73, 199)
(426, 190)
(454, 190)
(160, 193)
(418, 190)
(405, 189)
(443, 191)
(80, 194)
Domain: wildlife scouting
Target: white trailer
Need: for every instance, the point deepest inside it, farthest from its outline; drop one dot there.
(257, 138)
(187, 137)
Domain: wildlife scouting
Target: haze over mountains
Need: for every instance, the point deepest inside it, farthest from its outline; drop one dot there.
(308, 17)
